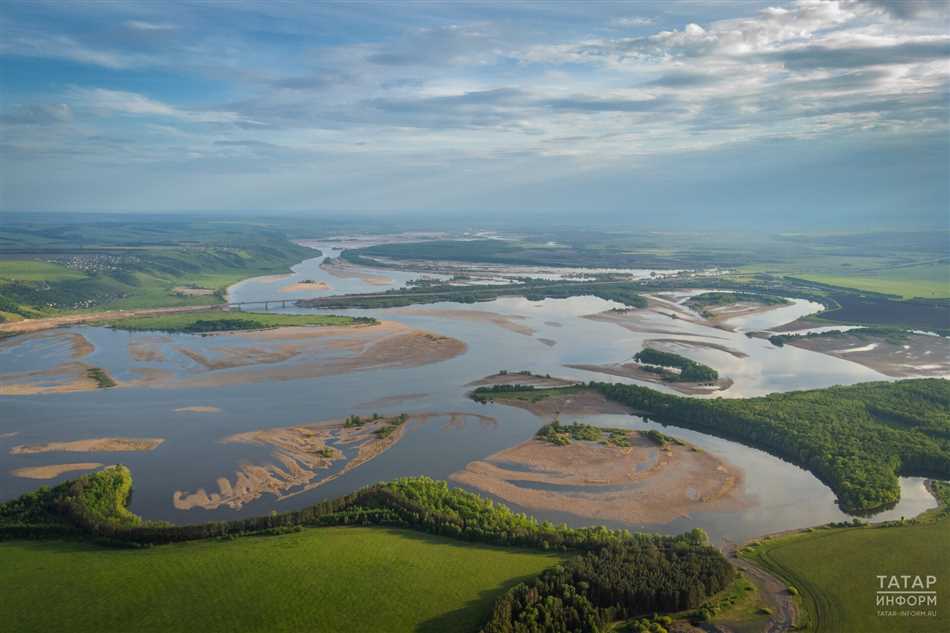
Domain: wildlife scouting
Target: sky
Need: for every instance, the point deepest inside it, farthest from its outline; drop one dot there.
(657, 113)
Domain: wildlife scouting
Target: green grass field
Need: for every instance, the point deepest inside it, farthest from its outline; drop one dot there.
(32, 270)
(332, 580)
(932, 282)
(836, 571)
(185, 321)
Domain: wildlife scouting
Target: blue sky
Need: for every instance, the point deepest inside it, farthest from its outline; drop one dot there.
(745, 111)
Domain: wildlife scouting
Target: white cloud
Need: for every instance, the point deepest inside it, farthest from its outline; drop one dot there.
(631, 22)
(141, 25)
(116, 101)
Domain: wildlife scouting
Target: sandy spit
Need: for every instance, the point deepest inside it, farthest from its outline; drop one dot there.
(96, 445)
(53, 470)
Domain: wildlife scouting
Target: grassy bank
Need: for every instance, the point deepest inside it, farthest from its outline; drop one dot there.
(321, 580)
(835, 571)
(857, 439)
(224, 321)
(65, 266)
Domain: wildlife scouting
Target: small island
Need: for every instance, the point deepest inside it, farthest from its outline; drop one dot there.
(210, 321)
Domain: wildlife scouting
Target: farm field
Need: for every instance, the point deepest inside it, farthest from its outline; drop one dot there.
(836, 571)
(929, 282)
(321, 580)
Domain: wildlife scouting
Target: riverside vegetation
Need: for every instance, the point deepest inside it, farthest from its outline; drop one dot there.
(856, 439)
(226, 321)
(606, 575)
(656, 361)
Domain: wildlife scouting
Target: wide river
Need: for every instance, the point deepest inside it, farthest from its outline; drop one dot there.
(540, 336)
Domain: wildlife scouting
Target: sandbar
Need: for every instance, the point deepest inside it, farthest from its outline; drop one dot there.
(917, 356)
(504, 321)
(635, 371)
(301, 286)
(53, 470)
(571, 402)
(95, 445)
(198, 409)
(306, 457)
(521, 378)
(644, 483)
(344, 270)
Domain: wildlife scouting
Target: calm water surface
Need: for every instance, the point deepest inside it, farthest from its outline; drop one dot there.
(193, 457)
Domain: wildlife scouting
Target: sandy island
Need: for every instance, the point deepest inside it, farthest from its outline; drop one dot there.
(307, 456)
(386, 345)
(917, 356)
(508, 322)
(642, 483)
(571, 402)
(342, 269)
(198, 409)
(298, 287)
(635, 371)
(53, 470)
(522, 378)
(96, 445)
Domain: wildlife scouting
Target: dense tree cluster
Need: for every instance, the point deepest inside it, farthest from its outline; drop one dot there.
(690, 370)
(857, 439)
(708, 299)
(617, 581)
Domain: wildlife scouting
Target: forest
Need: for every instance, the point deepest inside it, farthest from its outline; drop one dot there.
(689, 370)
(612, 575)
(856, 439)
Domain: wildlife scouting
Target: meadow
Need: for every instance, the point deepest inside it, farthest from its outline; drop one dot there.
(332, 580)
(835, 570)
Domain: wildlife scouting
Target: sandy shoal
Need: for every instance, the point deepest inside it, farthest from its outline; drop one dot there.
(53, 470)
(198, 409)
(659, 343)
(95, 445)
(582, 402)
(641, 484)
(36, 325)
(633, 370)
(344, 270)
(919, 356)
(300, 286)
(69, 377)
(508, 322)
(302, 455)
(388, 345)
(515, 378)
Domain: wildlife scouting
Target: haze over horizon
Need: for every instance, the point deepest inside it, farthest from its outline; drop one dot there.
(771, 114)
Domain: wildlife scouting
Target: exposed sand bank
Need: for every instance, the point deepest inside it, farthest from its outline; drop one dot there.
(301, 286)
(643, 483)
(504, 321)
(147, 349)
(306, 457)
(392, 346)
(518, 378)
(918, 356)
(342, 269)
(664, 343)
(53, 470)
(68, 377)
(572, 402)
(36, 325)
(198, 409)
(96, 445)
